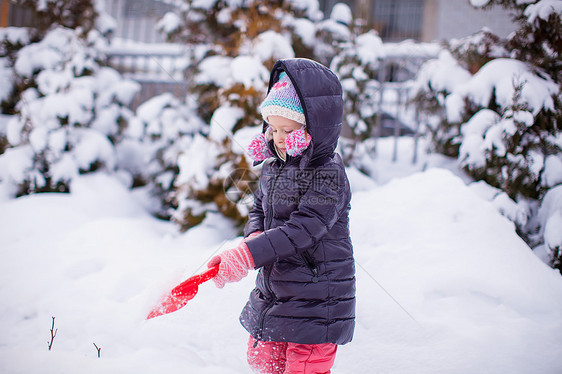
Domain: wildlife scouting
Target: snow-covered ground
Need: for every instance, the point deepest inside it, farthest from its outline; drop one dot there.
(444, 284)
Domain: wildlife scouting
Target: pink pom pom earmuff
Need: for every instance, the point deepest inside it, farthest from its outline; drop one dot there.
(296, 142)
(258, 149)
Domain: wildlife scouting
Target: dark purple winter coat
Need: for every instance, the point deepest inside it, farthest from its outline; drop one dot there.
(305, 289)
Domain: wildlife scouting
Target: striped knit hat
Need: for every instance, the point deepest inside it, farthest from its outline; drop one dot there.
(283, 101)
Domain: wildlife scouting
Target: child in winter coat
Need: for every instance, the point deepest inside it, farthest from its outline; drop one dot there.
(297, 235)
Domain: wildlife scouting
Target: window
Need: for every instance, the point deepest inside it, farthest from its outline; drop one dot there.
(397, 19)
(145, 8)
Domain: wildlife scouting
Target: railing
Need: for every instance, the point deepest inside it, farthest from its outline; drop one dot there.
(397, 115)
(158, 69)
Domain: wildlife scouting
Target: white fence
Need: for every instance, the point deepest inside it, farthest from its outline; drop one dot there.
(158, 68)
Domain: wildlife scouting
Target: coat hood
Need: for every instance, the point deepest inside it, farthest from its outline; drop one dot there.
(320, 94)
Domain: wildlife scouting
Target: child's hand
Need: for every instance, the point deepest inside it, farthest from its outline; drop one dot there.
(234, 264)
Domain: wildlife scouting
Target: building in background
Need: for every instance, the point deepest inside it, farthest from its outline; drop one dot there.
(395, 20)
(136, 19)
(426, 20)
(15, 14)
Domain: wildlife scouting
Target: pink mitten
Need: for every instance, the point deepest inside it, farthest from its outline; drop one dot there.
(234, 264)
(255, 233)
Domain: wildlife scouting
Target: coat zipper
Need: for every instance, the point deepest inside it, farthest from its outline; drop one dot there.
(267, 272)
(309, 261)
(270, 197)
(273, 301)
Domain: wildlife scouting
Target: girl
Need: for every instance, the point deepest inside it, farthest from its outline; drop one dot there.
(297, 234)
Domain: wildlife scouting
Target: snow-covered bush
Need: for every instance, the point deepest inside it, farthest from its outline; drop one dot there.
(357, 65)
(549, 220)
(501, 114)
(234, 46)
(69, 116)
(228, 91)
(514, 145)
(73, 14)
(152, 145)
(12, 39)
(333, 34)
(478, 49)
(539, 36)
(86, 17)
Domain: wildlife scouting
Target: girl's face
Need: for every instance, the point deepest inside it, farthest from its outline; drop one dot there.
(280, 128)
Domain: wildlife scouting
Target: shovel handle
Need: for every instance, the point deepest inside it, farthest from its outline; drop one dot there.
(203, 277)
(208, 274)
(190, 285)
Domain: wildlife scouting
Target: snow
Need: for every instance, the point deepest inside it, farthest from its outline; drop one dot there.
(214, 70)
(312, 8)
(472, 147)
(224, 71)
(548, 217)
(552, 174)
(151, 109)
(441, 74)
(510, 209)
(453, 84)
(242, 139)
(223, 121)
(249, 71)
(501, 76)
(484, 190)
(203, 4)
(479, 3)
(92, 146)
(4, 119)
(113, 88)
(47, 54)
(51, 81)
(552, 232)
(543, 9)
(342, 13)
(197, 163)
(7, 77)
(14, 163)
(337, 30)
(271, 45)
(104, 22)
(305, 29)
(370, 48)
(409, 48)
(14, 35)
(97, 261)
(524, 117)
(169, 23)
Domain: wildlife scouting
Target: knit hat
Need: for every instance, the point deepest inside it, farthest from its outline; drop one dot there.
(283, 101)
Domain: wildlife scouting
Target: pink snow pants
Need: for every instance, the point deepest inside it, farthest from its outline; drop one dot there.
(291, 358)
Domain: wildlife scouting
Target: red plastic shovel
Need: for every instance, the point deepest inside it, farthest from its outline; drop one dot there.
(182, 293)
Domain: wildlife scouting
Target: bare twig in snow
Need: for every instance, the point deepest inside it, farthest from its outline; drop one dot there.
(53, 334)
(98, 349)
